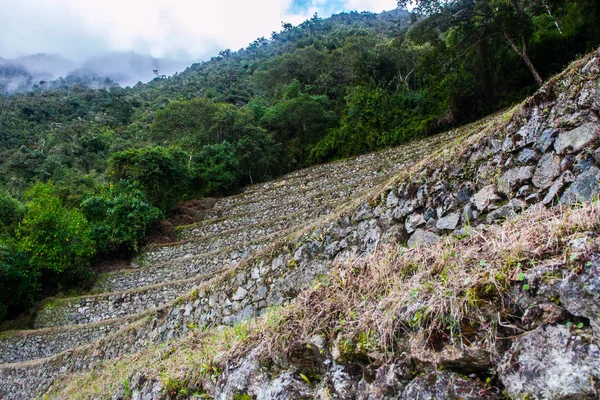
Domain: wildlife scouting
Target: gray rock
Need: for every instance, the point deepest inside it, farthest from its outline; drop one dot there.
(239, 294)
(585, 187)
(513, 177)
(449, 222)
(395, 234)
(580, 294)
(392, 200)
(597, 155)
(388, 382)
(548, 168)
(576, 139)
(529, 132)
(422, 238)
(343, 385)
(483, 198)
(430, 213)
(509, 210)
(442, 385)
(527, 156)
(404, 208)
(469, 215)
(285, 386)
(463, 196)
(583, 164)
(551, 363)
(243, 377)
(523, 191)
(546, 139)
(557, 186)
(413, 222)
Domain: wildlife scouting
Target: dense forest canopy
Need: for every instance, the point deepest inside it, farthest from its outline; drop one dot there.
(86, 172)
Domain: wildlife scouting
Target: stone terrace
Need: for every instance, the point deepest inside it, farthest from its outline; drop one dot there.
(235, 229)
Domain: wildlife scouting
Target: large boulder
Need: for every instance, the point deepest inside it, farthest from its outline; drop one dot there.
(551, 363)
(576, 139)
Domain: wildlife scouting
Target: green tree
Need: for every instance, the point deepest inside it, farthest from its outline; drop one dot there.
(120, 217)
(12, 212)
(299, 123)
(257, 155)
(511, 19)
(216, 169)
(55, 239)
(163, 174)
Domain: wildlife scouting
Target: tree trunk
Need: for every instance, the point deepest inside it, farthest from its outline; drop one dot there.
(532, 69)
(525, 57)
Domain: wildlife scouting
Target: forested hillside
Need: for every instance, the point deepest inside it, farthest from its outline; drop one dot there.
(86, 172)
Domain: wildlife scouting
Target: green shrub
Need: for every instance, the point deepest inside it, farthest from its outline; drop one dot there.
(11, 213)
(56, 240)
(120, 217)
(216, 168)
(163, 174)
(19, 283)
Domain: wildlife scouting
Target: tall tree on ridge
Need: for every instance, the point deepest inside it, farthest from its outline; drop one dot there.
(508, 18)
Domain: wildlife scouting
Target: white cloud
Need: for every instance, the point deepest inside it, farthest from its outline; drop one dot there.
(178, 28)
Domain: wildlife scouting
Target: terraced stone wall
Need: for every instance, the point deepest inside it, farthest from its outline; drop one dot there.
(113, 305)
(46, 342)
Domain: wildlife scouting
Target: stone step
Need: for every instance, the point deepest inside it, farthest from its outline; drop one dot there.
(95, 308)
(334, 195)
(236, 237)
(20, 346)
(302, 194)
(289, 187)
(179, 269)
(347, 171)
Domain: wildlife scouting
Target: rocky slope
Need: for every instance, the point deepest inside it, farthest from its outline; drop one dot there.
(341, 311)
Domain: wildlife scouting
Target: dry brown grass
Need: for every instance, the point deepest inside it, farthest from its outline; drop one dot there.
(456, 292)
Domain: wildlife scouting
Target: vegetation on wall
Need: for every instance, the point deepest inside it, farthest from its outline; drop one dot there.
(87, 172)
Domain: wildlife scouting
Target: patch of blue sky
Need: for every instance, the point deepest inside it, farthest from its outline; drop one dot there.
(324, 8)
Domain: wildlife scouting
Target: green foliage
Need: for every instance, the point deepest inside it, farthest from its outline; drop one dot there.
(19, 282)
(375, 118)
(11, 213)
(257, 156)
(120, 217)
(216, 168)
(55, 238)
(299, 123)
(49, 248)
(162, 173)
(183, 119)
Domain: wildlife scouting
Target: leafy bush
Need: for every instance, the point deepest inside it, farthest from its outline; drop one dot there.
(55, 239)
(120, 217)
(11, 213)
(20, 284)
(217, 168)
(163, 174)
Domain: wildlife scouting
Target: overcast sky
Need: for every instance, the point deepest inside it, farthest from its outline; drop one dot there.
(182, 29)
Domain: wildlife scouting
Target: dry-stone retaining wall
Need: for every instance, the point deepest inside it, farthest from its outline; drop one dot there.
(47, 342)
(179, 268)
(89, 309)
(548, 152)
